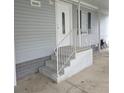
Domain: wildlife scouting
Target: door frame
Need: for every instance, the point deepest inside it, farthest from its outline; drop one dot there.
(56, 17)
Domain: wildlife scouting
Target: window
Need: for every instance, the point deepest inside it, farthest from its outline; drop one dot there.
(89, 20)
(63, 22)
(80, 21)
(85, 22)
(84, 29)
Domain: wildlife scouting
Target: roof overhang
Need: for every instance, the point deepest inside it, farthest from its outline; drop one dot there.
(85, 4)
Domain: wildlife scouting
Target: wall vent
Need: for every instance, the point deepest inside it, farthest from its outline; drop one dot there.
(35, 3)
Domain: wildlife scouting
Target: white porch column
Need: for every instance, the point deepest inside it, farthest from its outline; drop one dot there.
(99, 30)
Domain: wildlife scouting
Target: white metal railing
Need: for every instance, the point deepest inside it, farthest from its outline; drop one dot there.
(64, 51)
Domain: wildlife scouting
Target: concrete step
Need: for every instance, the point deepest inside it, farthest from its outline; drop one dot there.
(82, 60)
(66, 52)
(47, 71)
(66, 48)
(80, 49)
(60, 62)
(50, 68)
(50, 72)
(54, 57)
(53, 65)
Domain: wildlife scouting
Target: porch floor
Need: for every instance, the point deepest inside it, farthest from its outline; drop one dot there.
(94, 79)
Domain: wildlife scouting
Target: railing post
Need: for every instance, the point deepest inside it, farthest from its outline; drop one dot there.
(75, 41)
(57, 54)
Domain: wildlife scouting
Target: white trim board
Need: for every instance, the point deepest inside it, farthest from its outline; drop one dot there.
(83, 3)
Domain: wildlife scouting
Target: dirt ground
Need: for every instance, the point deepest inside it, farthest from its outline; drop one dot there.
(94, 79)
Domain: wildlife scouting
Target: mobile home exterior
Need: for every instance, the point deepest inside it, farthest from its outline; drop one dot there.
(41, 25)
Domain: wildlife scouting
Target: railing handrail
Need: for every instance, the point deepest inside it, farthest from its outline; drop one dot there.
(58, 53)
(62, 40)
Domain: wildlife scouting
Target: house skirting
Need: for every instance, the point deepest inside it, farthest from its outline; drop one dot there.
(29, 67)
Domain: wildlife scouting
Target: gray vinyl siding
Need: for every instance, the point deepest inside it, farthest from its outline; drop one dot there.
(35, 30)
(93, 37)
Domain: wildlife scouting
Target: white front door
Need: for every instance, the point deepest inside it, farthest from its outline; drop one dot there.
(63, 23)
